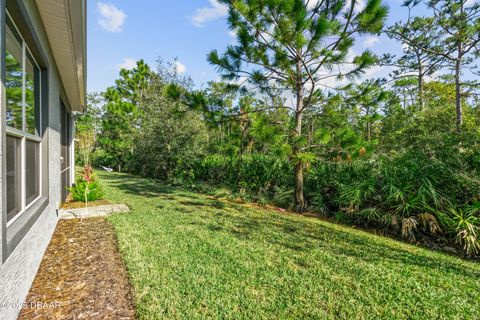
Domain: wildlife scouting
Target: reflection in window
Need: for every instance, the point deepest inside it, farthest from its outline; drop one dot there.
(13, 80)
(23, 134)
(14, 202)
(32, 171)
(31, 75)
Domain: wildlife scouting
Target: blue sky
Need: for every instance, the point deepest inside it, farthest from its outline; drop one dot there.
(122, 31)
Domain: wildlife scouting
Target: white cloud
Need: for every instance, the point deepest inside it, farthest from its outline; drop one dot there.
(405, 47)
(111, 18)
(127, 63)
(469, 3)
(374, 72)
(332, 82)
(312, 3)
(180, 68)
(206, 14)
(370, 41)
(360, 4)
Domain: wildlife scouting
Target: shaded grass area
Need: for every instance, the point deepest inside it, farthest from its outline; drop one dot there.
(192, 257)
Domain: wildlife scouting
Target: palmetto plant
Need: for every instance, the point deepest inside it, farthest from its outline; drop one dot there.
(408, 195)
(467, 228)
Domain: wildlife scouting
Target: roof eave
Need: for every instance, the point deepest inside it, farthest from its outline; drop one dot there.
(65, 25)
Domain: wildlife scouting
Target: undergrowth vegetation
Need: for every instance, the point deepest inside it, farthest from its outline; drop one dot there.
(411, 196)
(295, 122)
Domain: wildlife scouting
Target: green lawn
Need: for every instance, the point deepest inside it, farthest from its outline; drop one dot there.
(191, 257)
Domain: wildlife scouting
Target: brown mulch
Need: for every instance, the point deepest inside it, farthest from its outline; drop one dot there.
(81, 276)
(72, 204)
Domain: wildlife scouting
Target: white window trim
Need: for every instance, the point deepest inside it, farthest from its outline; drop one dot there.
(23, 134)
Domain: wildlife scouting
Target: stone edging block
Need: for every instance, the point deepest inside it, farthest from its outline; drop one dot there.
(92, 212)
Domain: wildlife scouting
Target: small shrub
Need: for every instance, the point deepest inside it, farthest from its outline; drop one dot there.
(467, 229)
(409, 225)
(87, 188)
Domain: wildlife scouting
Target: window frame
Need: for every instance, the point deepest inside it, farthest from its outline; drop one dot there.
(23, 134)
(66, 149)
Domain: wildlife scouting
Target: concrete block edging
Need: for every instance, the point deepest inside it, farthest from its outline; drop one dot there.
(93, 212)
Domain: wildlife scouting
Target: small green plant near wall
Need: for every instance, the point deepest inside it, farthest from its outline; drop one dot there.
(87, 188)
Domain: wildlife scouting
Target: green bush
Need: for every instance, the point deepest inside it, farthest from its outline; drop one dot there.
(87, 188)
(410, 194)
(102, 158)
(259, 177)
(79, 191)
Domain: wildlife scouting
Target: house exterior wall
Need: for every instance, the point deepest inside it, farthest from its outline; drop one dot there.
(2, 134)
(19, 265)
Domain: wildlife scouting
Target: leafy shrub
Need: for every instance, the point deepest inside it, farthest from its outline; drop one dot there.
(410, 194)
(464, 225)
(101, 158)
(87, 188)
(256, 174)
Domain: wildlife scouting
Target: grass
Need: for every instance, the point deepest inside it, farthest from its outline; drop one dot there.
(193, 257)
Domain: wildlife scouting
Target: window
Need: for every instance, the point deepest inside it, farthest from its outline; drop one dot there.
(23, 122)
(65, 159)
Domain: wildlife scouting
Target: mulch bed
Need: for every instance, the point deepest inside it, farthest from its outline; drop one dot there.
(81, 275)
(72, 204)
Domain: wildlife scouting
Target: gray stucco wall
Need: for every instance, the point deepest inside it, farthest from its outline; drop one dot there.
(2, 132)
(18, 270)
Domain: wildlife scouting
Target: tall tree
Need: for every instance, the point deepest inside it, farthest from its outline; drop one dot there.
(366, 99)
(172, 137)
(457, 26)
(414, 34)
(122, 110)
(298, 45)
(87, 127)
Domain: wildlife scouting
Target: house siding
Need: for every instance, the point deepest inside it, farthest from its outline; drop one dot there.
(18, 269)
(2, 134)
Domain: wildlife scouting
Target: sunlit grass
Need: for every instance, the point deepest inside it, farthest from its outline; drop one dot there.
(191, 257)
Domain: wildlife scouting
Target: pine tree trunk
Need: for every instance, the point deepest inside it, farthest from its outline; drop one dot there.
(369, 131)
(421, 90)
(458, 95)
(299, 198)
(310, 133)
(369, 128)
(299, 205)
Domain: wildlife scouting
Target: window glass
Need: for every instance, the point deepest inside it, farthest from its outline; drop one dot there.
(32, 171)
(13, 80)
(65, 138)
(65, 141)
(22, 116)
(31, 92)
(14, 202)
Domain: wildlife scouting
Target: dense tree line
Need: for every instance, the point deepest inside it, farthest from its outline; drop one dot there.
(399, 153)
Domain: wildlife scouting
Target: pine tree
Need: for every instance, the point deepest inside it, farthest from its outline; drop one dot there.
(298, 45)
(415, 33)
(457, 30)
(122, 110)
